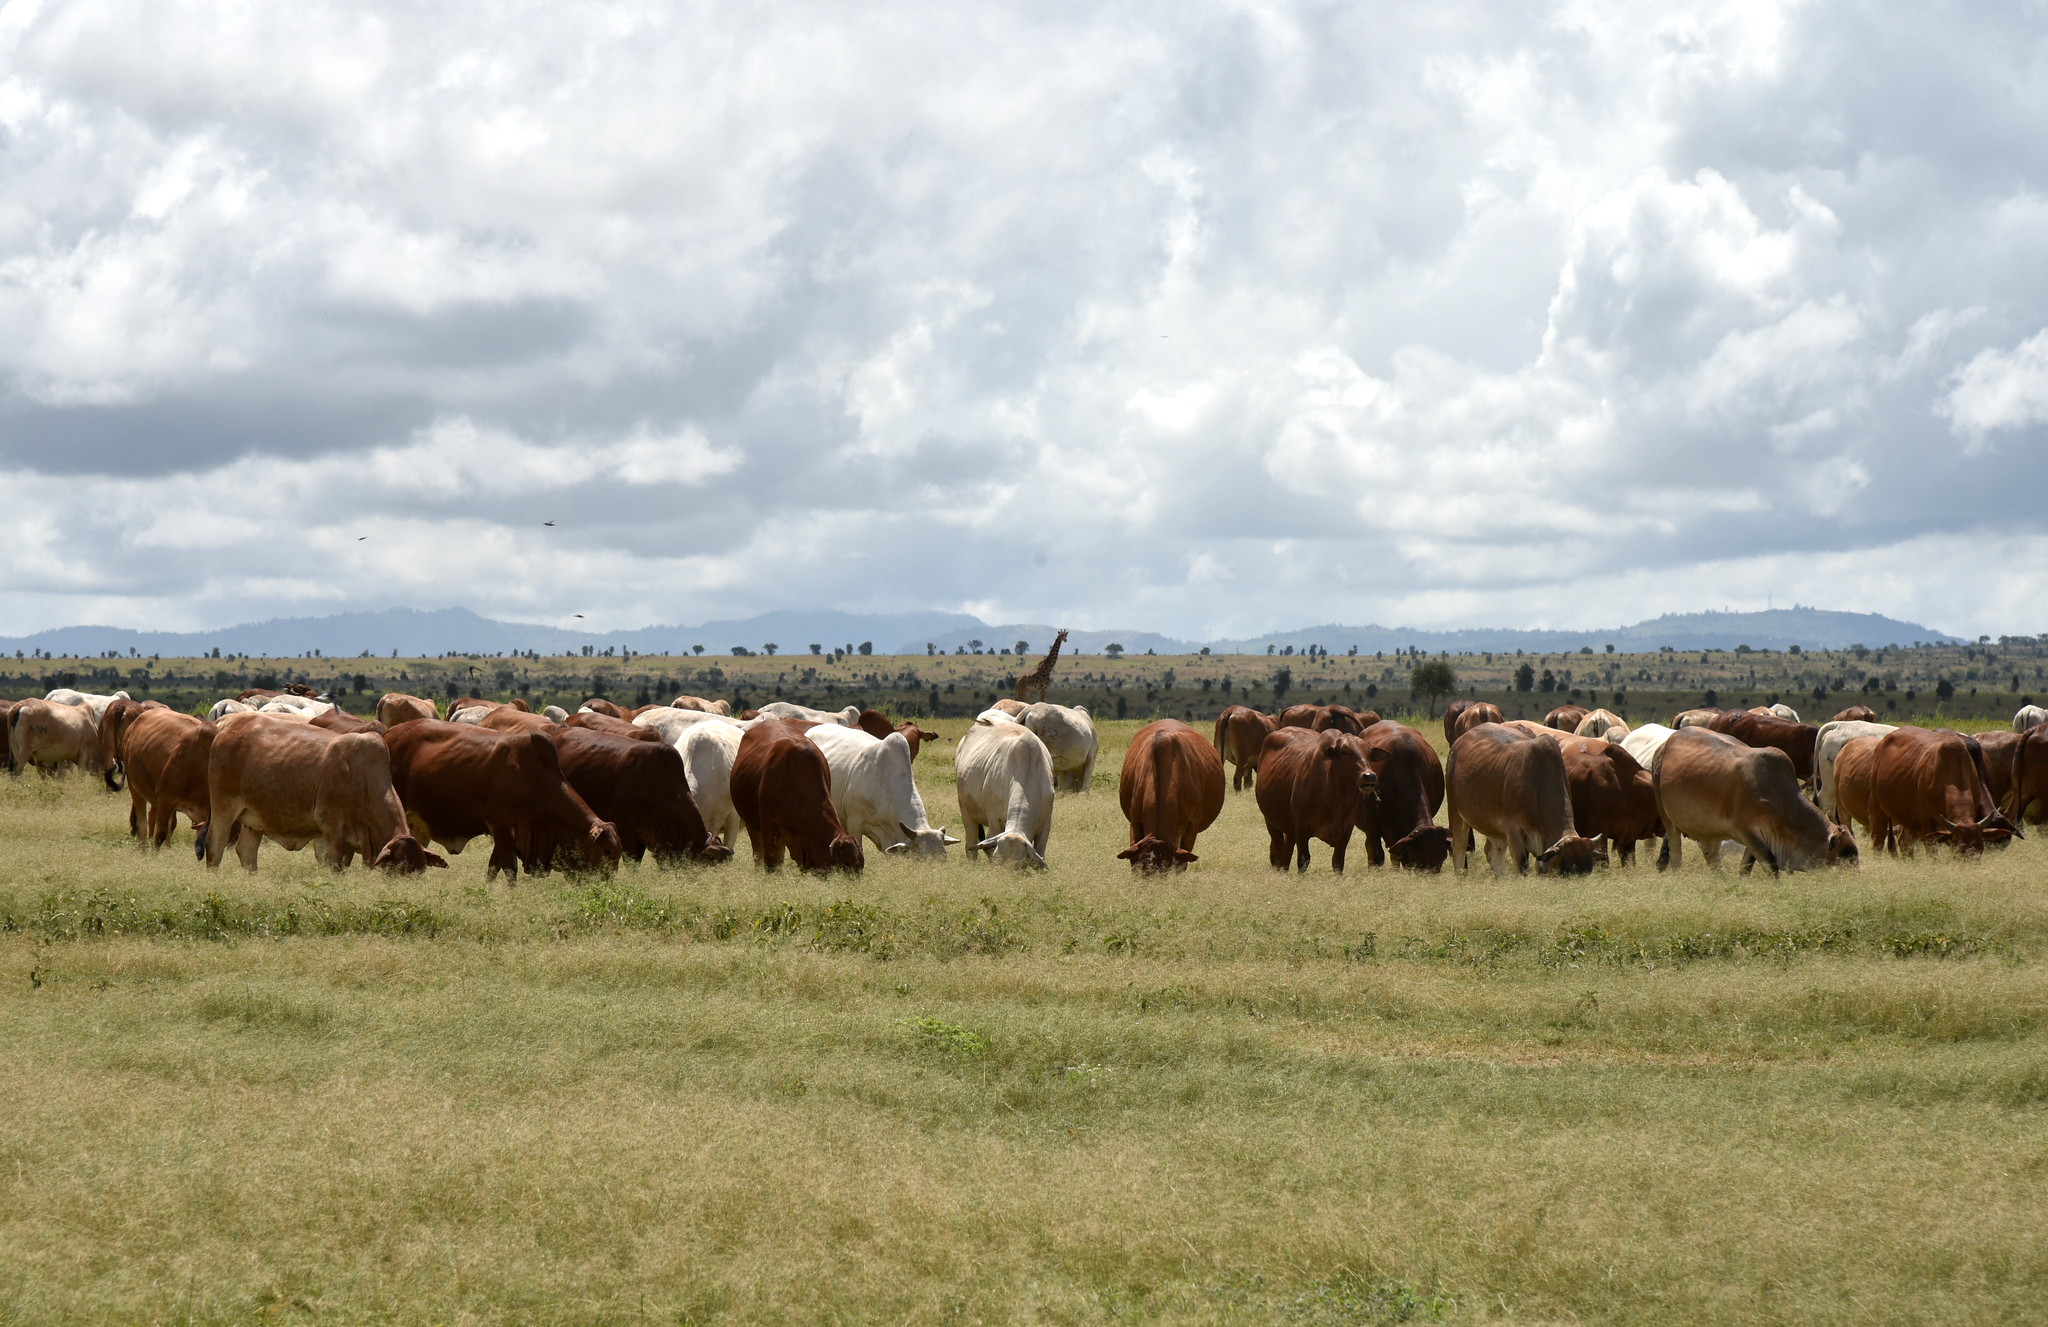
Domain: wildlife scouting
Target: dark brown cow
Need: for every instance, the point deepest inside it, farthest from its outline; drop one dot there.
(599, 705)
(1462, 716)
(1855, 713)
(1341, 718)
(296, 784)
(1930, 785)
(1565, 718)
(1998, 748)
(876, 724)
(2028, 797)
(1303, 715)
(1171, 790)
(1240, 734)
(1613, 797)
(782, 789)
(1509, 785)
(1750, 728)
(640, 788)
(164, 755)
(1399, 818)
(338, 720)
(1311, 786)
(460, 781)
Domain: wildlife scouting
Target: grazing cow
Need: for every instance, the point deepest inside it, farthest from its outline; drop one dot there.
(640, 788)
(165, 754)
(89, 700)
(1461, 716)
(2029, 716)
(338, 720)
(1312, 785)
(719, 707)
(876, 724)
(782, 709)
(599, 705)
(51, 735)
(1828, 742)
(1999, 749)
(1855, 714)
(1069, 734)
(874, 791)
(1929, 785)
(2027, 798)
(460, 782)
(396, 707)
(1509, 784)
(708, 751)
(296, 783)
(1795, 739)
(782, 789)
(1398, 818)
(1698, 718)
(1711, 787)
(1005, 782)
(1171, 790)
(1603, 724)
(672, 722)
(1614, 799)
(1240, 733)
(1565, 718)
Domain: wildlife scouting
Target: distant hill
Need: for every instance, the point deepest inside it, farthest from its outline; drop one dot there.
(412, 632)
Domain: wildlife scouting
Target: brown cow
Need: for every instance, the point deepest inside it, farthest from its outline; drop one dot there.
(1999, 748)
(2027, 799)
(1698, 718)
(1311, 786)
(1240, 733)
(113, 727)
(1751, 728)
(641, 789)
(782, 789)
(396, 707)
(1461, 716)
(165, 755)
(1855, 785)
(1565, 718)
(1856, 713)
(1302, 715)
(460, 781)
(6, 748)
(1510, 785)
(723, 707)
(605, 723)
(296, 783)
(339, 720)
(1712, 787)
(876, 724)
(1613, 797)
(1171, 790)
(1341, 718)
(1399, 818)
(599, 705)
(1929, 785)
(505, 719)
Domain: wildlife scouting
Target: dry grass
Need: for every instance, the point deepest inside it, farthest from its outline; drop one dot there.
(939, 1093)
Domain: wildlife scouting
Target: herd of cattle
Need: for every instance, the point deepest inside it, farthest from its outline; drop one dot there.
(683, 781)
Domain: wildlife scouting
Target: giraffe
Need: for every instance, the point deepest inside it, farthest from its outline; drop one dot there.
(1039, 679)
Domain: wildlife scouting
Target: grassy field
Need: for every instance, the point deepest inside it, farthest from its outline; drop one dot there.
(938, 1093)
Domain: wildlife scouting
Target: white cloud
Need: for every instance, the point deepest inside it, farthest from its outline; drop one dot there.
(1998, 390)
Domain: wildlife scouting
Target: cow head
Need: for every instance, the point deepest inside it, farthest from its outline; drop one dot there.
(1841, 849)
(601, 848)
(1422, 849)
(406, 855)
(1153, 854)
(1010, 848)
(1571, 855)
(713, 849)
(844, 854)
(927, 842)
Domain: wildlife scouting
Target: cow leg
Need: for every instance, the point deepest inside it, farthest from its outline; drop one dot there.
(247, 841)
(1301, 851)
(504, 857)
(1496, 855)
(1460, 851)
(1279, 850)
(1337, 850)
(1711, 850)
(1671, 855)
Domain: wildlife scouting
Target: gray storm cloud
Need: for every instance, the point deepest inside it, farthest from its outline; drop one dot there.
(1207, 320)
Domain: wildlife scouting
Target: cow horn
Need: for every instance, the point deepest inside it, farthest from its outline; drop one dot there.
(946, 838)
(989, 844)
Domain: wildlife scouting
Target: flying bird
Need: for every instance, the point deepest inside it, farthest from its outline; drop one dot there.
(361, 537)
(547, 522)
(579, 615)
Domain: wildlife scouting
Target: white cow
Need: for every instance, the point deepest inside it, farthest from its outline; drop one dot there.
(672, 723)
(708, 750)
(1006, 780)
(2029, 716)
(874, 793)
(1827, 745)
(1069, 734)
(1783, 711)
(1643, 742)
(555, 712)
(1001, 716)
(782, 709)
(1604, 724)
(473, 714)
(50, 734)
(90, 700)
(294, 705)
(223, 708)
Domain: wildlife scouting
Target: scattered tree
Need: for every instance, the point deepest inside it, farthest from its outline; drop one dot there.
(1432, 679)
(1021, 647)
(1525, 678)
(771, 647)
(1113, 650)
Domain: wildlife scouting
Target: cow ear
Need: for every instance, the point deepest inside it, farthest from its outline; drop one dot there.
(1183, 855)
(434, 859)
(1127, 854)
(899, 847)
(989, 844)
(1546, 854)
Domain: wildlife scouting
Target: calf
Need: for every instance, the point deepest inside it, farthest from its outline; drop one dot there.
(1171, 790)
(640, 788)
(1240, 735)
(1311, 786)
(782, 790)
(1399, 817)
(1510, 786)
(1712, 788)
(460, 782)
(1003, 772)
(296, 783)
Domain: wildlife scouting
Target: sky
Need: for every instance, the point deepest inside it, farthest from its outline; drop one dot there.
(1209, 319)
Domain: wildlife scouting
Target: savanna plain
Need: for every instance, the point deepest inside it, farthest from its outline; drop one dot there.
(949, 1093)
